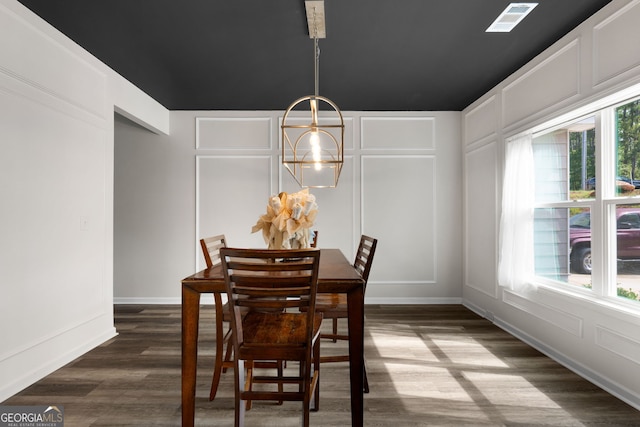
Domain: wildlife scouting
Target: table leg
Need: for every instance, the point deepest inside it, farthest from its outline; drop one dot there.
(190, 319)
(355, 305)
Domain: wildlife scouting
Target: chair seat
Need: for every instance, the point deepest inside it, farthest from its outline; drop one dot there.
(275, 330)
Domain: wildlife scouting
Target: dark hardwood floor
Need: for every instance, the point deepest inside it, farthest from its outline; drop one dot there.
(427, 366)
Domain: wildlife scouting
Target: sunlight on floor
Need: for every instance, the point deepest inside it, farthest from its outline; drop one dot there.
(468, 352)
(458, 373)
(495, 387)
(410, 346)
(435, 383)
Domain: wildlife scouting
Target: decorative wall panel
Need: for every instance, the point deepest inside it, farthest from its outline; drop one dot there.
(618, 343)
(617, 34)
(231, 193)
(398, 133)
(554, 80)
(481, 122)
(558, 318)
(481, 193)
(233, 133)
(398, 202)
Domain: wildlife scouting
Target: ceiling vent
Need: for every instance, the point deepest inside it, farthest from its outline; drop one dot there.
(510, 17)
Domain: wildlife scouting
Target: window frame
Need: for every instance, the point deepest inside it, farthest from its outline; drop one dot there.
(602, 207)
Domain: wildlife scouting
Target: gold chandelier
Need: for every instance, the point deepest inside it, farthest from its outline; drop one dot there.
(313, 150)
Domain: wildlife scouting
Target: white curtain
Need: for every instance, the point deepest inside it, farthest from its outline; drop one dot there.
(516, 265)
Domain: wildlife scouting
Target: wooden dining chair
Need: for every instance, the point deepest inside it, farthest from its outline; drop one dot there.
(266, 291)
(334, 306)
(211, 250)
(314, 241)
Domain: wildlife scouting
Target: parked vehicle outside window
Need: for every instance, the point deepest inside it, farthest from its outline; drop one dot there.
(628, 238)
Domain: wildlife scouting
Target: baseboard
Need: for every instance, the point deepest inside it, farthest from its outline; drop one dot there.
(147, 301)
(208, 299)
(204, 299)
(411, 301)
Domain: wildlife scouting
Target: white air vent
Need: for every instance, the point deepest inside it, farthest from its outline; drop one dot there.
(510, 17)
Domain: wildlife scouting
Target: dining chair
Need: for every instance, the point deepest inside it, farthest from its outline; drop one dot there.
(334, 306)
(267, 290)
(211, 250)
(314, 241)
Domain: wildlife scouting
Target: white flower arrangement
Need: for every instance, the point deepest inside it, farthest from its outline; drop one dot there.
(288, 220)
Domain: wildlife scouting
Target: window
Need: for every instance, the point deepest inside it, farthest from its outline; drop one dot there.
(586, 225)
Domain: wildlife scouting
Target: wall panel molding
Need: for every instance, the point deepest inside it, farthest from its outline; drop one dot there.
(222, 205)
(234, 133)
(620, 30)
(617, 343)
(481, 122)
(555, 80)
(397, 133)
(482, 227)
(403, 215)
(558, 318)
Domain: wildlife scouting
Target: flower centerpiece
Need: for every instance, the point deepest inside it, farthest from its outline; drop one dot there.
(288, 221)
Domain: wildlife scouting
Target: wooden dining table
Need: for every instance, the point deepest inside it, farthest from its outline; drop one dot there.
(336, 275)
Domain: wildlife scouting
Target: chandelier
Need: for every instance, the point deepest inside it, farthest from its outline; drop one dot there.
(313, 146)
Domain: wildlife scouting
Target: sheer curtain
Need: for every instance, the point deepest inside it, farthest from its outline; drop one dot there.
(516, 265)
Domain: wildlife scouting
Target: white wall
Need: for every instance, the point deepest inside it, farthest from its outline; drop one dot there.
(600, 57)
(56, 192)
(401, 183)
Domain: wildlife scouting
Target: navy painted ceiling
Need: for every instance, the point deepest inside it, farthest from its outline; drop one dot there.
(379, 55)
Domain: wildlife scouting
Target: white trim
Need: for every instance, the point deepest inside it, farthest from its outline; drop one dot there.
(412, 301)
(207, 299)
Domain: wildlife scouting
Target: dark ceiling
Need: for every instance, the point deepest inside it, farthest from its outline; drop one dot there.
(379, 55)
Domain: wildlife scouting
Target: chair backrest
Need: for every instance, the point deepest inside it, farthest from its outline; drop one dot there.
(364, 256)
(211, 249)
(270, 281)
(314, 242)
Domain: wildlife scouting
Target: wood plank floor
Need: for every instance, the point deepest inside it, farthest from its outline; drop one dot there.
(427, 366)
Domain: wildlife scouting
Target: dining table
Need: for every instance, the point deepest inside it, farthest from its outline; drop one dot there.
(336, 275)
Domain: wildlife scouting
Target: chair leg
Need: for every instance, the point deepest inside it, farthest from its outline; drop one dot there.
(335, 330)
(306, 385)
(316, 375)
(280, 370)
(248, 382)
(366, 381)
(239, 403)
